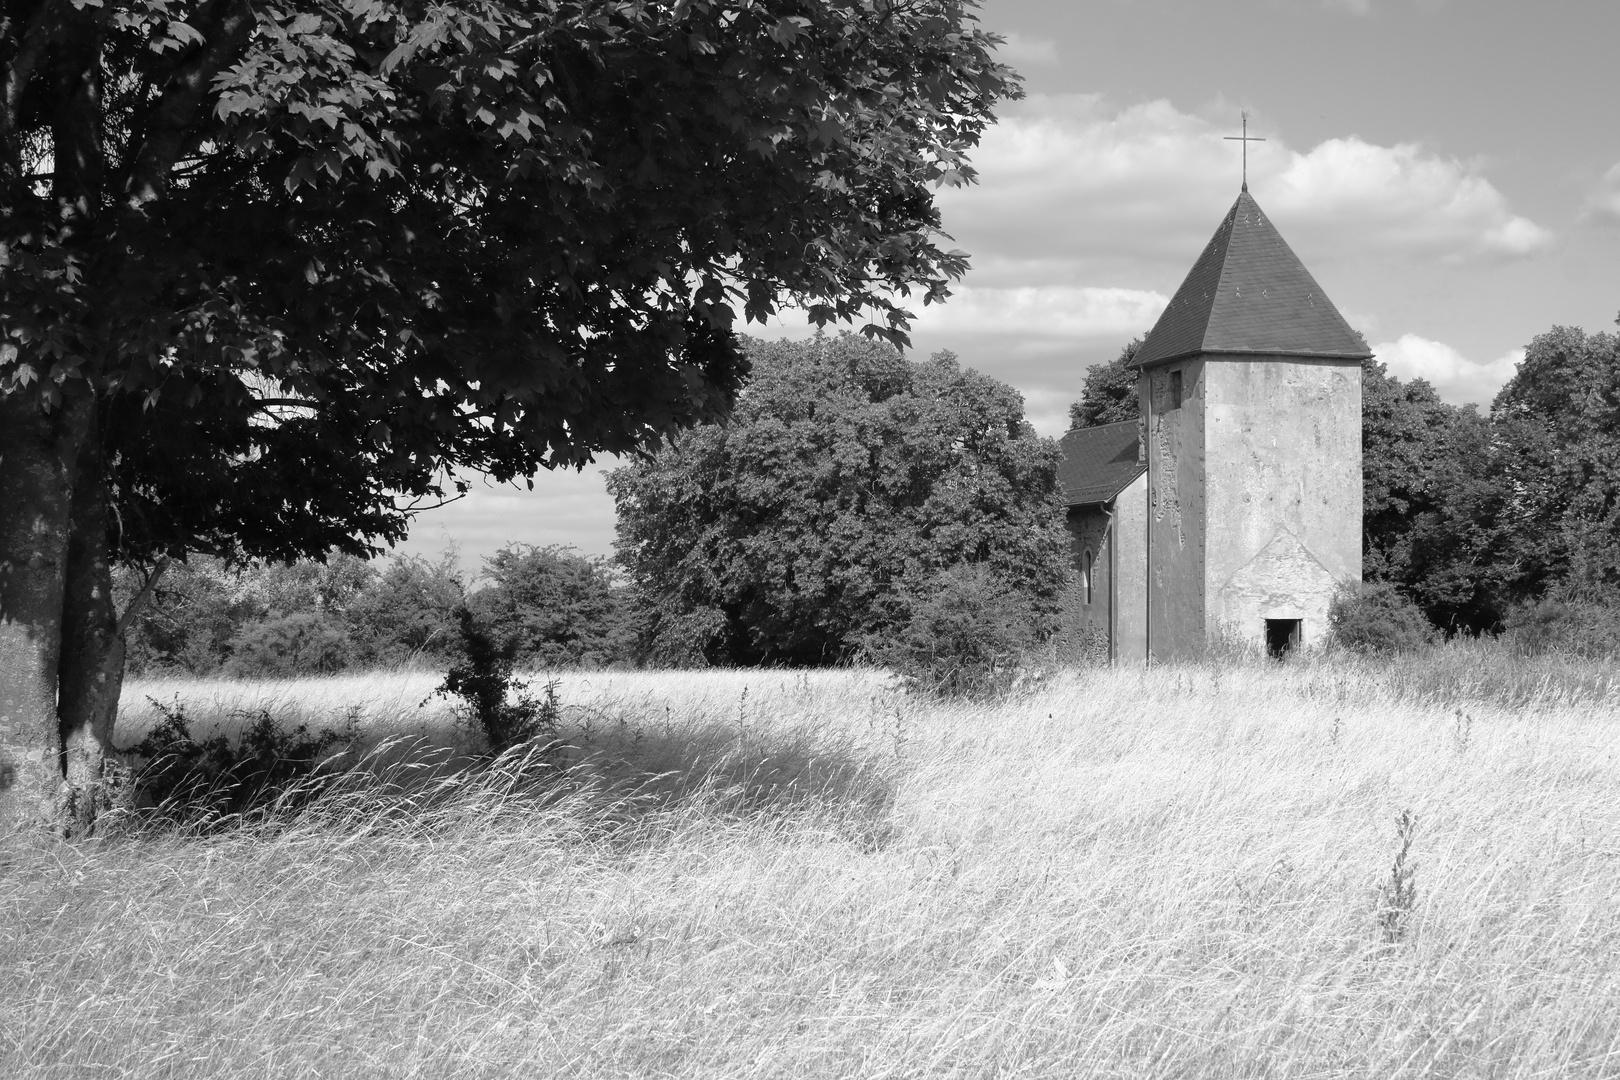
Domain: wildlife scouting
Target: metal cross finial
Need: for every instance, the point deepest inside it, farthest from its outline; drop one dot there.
(1245, 139)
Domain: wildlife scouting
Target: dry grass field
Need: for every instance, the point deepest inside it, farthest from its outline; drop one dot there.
(1186, 872)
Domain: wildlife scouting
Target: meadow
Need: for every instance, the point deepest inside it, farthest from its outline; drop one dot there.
(1182, 872)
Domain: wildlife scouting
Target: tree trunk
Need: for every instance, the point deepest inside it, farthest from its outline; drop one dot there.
(91, 669)
(38, 453)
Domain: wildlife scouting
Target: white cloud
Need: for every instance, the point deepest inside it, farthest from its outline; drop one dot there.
(1457, 379)
(1046, 311)
(1030, 319)
(1021, 51)
(1397, 198)
(1603, 202)
(1074, 188)
(565, 507)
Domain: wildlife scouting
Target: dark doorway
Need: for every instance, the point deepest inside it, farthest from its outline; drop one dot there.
(1282, 637)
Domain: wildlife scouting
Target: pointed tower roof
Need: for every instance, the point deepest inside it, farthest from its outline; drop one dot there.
(1249, 293)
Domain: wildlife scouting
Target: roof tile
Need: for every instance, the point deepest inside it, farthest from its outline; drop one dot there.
(1099, 462)
(1249, 293)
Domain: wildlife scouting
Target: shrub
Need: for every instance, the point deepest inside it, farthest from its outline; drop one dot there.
(214, 778)
(308, 643)
(407, 611)
(552, 606)
(1376, 617)
(506, 713)
(964, 637)
(208, 616)
(189, 620)
(1573, 627)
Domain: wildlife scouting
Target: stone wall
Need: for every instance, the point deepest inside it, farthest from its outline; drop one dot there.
(1175, 509)
(1086, 612)
(1283, 439)
(1129, 568)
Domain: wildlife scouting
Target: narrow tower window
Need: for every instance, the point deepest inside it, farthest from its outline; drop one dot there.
(1085, 574)
(1175, 389)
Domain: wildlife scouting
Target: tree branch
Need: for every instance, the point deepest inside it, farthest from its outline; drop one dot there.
(416, 506)
(139, 600)
(77, 146)
(176, 111)
(21, 69)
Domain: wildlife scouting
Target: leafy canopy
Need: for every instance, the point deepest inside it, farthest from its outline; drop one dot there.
(847, 481)
(551, 606)
(310, 253)
(1108, 395)
(1558, 430)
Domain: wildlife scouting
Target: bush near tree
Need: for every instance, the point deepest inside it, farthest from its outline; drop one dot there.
(821, 515)
(541, 607)
(407, 612)
(207, 617)
(1568, 623)
(551, 607)
(1374, 617)
(965, 634)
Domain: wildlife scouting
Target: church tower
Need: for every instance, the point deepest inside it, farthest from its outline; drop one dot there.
(1250, 392)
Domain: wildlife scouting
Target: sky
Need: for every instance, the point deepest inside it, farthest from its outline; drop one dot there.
(1448, 170)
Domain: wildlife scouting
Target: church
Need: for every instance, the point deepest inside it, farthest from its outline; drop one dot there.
(1232, 506)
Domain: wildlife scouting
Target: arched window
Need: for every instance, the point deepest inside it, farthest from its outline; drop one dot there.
(1085, 574)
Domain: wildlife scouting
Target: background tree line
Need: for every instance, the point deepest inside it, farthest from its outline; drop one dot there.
(857, 504)
(854, 504)
(541, 606)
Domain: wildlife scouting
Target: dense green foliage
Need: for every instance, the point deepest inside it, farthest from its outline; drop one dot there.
(966, 635)
(1558, 426)
(1474, 516)
(816, 519)
(1376, 617)
(277, 620)
(335, 244)
(542, 607)
(1431, 494)
(1568, 624)
(217, 780)
(1108, 395)
(549, 607)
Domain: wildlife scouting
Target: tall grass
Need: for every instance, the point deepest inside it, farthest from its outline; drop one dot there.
(1179, 872)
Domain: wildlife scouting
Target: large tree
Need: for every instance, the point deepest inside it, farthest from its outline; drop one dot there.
(1405, 430)
(1471, 515)
(843, 491)
(268, 269)
(1557, 427)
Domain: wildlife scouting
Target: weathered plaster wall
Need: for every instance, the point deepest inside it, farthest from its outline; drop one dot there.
(1130, 573)
(1087, 622)
(1283, 483)
(1176, 510)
